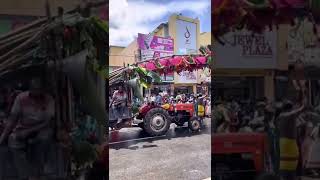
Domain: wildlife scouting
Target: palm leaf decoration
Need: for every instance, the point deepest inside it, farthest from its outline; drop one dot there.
(155, 76)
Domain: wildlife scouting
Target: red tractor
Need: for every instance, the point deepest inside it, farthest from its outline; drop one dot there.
(156, 119)
(239, 155)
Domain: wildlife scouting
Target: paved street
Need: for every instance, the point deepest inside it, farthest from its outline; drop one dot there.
(178, 155)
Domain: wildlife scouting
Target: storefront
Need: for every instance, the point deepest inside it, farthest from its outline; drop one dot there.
(186, 82)
(245, 65)
(183, 89)
(162, 87)
(241, 88)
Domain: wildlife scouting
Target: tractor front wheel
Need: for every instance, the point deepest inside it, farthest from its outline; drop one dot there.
(194, 124)
(141, 125)
(157, 122)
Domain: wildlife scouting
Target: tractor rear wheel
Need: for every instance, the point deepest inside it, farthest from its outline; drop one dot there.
(194, 124)
(157, 122)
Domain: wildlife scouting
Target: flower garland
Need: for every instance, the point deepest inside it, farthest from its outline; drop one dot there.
(149, 71)
(179, 63)
(260, 15)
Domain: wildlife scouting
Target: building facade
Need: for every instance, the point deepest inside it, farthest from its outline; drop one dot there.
(187, 39)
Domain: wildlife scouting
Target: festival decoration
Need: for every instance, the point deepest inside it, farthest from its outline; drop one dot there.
(179, 63)
(150, 70)
(260, 15)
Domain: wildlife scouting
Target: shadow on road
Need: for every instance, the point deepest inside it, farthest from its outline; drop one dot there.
(127, 139)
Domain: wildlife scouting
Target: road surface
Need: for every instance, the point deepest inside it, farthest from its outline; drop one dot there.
(180, 155)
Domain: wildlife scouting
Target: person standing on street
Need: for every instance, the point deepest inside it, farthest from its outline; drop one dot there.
(289, 151)
(159, 99)
(30, 125)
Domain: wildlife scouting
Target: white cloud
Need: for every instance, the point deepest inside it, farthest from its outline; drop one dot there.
(128, 18)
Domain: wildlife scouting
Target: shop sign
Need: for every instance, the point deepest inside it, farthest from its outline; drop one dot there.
(252, 45)
(243, 49)
(186, 37)
(154, 46)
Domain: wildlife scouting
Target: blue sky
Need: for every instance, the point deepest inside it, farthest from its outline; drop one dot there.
(129, 17)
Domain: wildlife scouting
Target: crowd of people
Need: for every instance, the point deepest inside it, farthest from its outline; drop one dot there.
(292, 128)
(121, 109)
(162, 98)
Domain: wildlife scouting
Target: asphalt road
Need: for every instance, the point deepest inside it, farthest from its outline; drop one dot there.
(178, 155)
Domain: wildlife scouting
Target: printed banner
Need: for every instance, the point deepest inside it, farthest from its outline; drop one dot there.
(187, 77)
(154, 46)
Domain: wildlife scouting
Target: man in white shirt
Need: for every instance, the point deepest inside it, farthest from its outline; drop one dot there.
(153, 98)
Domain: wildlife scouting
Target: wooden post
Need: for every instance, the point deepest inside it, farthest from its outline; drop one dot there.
(48, 11)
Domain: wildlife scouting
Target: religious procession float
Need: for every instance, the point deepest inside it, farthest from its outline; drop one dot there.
(155, 119)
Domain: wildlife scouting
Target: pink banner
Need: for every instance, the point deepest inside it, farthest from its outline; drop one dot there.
(154, 46)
